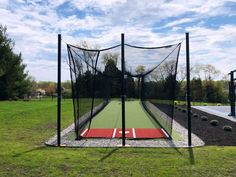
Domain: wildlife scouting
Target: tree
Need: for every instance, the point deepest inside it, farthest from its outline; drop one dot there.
(50, 89)
(196, 89)
(204, 87)
(164, 70)
(110, 59)
(140, 69)
(210, 72)
(208, 87)
(48, 86)
(66, 84)
(34, 84)
(89, 57)
(207, 72)
(14, 81)
(113, 73)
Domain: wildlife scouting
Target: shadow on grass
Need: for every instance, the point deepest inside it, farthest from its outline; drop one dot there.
(108, 154)
(30, 150)
(191, 156)
(173, 146)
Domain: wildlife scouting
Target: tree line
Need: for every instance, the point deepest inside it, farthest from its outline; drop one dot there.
(160, 84)
(202, 90)
(205, 84)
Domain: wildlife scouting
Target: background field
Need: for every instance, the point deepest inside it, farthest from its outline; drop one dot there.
(24, 126)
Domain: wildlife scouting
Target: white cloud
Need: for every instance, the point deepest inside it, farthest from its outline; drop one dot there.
(34, 27)
(104, 5)
(211, 46)
(179, 22)
(46, 70)
(56, 3)
(72, 23)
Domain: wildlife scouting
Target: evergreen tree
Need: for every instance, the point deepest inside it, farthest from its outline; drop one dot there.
(14, 81)
(196, 89)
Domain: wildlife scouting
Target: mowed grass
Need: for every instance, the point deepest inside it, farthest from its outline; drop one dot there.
(24, 126)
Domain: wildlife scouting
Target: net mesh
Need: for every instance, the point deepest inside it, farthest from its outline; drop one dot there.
(158, 88)
(96, 77)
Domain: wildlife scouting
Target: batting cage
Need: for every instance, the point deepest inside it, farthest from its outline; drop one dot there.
(129, 90)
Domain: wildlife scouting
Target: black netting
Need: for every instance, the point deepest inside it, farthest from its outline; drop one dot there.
(95, 78)
(150, 79)
(142, 60)
(159, 86)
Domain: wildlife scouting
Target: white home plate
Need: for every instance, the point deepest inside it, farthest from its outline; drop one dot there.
(126, 132)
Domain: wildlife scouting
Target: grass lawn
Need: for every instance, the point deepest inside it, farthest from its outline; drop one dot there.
(24, 126)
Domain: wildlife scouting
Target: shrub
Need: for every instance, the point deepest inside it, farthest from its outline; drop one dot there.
(214, 122)
(218, 104)
(227, 128)
(204, 118)
(204, 104)
(175, 102)
(195, 115)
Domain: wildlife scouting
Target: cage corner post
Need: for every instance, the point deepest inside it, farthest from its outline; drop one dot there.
(232, 93)
(123, 86)
(59, 92)
(188, 94)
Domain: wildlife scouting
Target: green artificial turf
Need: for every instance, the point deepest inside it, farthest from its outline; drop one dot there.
(24, 126)
(136, 117)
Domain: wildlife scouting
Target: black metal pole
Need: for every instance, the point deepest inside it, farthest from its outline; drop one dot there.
(123, 86)
(232, 94)
(188, 91)
(59, 92)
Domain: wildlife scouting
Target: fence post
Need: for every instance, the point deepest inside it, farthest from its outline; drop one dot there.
(188, 95)
(59, 92)
(123, 86)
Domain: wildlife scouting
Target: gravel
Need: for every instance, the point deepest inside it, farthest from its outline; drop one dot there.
(182, 142)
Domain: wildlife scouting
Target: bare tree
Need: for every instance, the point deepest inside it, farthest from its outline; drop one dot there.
(206, 72)
(88, 56)
(164, 70)
(210, 72)
(181, 72)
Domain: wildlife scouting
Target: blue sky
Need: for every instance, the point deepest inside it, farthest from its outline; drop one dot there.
(34, 26)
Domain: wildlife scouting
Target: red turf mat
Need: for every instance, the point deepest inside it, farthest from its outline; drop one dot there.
(98, 133)
(130, 133)
(149, 133)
